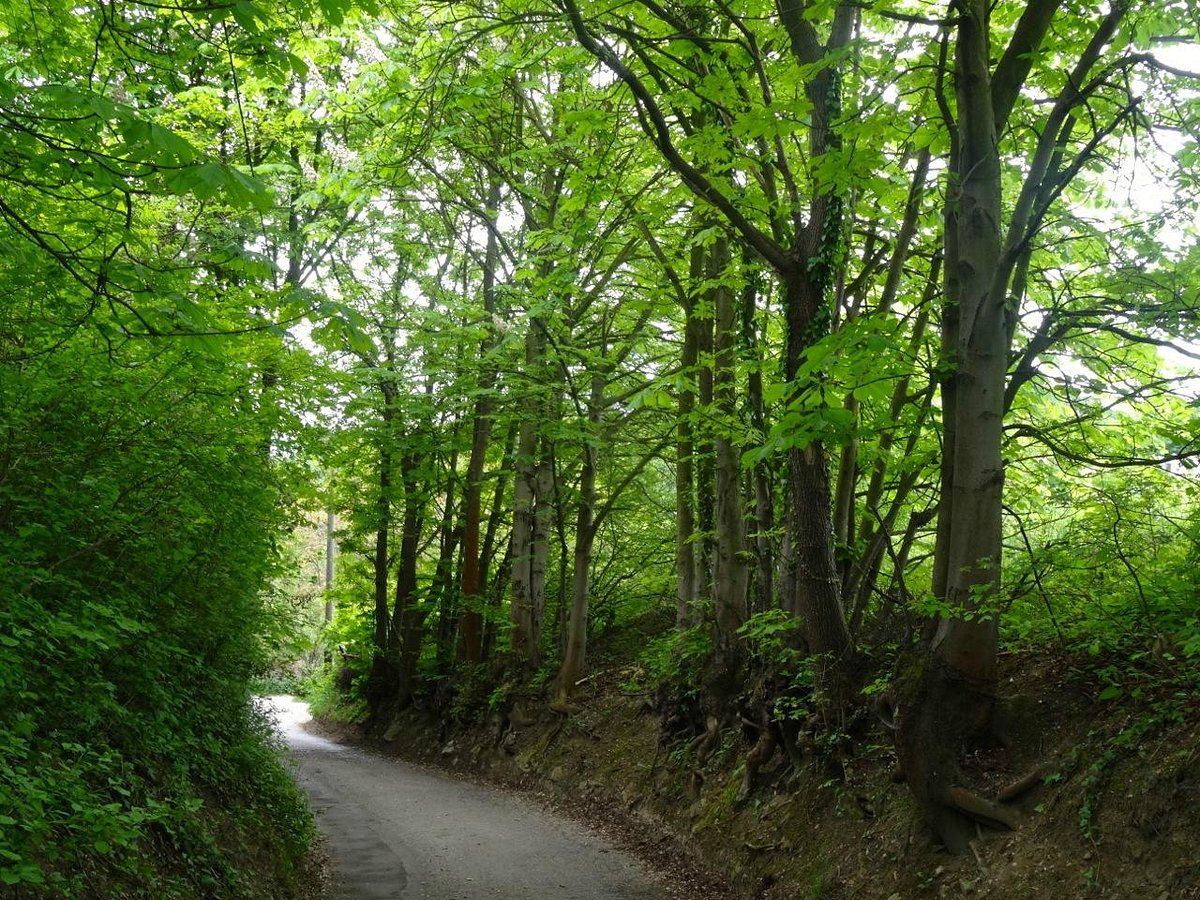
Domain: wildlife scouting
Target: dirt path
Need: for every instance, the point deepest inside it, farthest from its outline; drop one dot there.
(398, 831)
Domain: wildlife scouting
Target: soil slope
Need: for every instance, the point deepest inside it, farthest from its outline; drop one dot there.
(1113, 813)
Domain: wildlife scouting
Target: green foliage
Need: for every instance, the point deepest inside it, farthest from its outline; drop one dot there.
(773, 633)
(774, 638)
(1107, 567)
(676, 659)
(218, 173)
(135, 520)
(347, 640)
(326, 699)
(278, 683)
(474, 694)
(1126, 742)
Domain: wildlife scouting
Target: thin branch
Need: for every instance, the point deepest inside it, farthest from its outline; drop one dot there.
(660, 132)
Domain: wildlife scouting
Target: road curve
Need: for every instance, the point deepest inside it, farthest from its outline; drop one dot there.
(398, 831)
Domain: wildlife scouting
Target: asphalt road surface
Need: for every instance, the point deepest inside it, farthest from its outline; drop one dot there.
(398, 831)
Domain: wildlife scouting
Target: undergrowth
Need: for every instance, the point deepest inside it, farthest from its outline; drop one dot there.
(135, 537)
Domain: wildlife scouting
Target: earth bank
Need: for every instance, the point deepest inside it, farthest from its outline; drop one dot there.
(1113, 810)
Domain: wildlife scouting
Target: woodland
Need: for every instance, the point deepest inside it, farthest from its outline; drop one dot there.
(840, 351)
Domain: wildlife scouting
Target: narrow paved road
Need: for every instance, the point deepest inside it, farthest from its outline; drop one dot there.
(398, 831)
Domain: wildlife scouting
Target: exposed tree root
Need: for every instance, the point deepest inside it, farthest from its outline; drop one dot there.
(985, 812)
(1026, 783)
(760, 754)
(936, 715)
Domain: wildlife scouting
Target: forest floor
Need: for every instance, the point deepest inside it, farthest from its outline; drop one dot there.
(1116, 815)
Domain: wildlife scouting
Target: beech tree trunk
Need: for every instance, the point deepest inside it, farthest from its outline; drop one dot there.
(948, 700)
(380, 561)
(814, 576)
(497, 516)
(575, 656)
(472, 594)
(380, 677)
(764, 504)
(687, 589)
(330, 555)
(528, 589)
(407, 618)
(471, 633)
(703, 448)
(808, 283)
(731, 571)
(544, 489)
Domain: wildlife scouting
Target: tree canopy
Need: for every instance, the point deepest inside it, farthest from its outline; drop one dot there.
(843, 345)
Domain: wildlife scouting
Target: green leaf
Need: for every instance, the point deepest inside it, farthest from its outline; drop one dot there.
(653, 398)
(334, 10)
(247, 14)
(299, 66)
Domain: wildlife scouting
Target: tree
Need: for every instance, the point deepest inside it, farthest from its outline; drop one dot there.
(804, 253)
(988, 249)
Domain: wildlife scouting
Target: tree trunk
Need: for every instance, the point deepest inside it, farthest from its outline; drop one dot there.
(764, 511)
(575, 657)
(472, 591)
(540, 547)
(844, 495)
(407, 618)
(447, 577)
(382, 524)
(471, 620)
(497, 516)
(808, 283)
(442, 586)
(560, 531)
(379, 679)
(525, 640)
(703, 451)
(731, 572)
(330, 554)
(810, 530)
(687, 591)
(949, 701)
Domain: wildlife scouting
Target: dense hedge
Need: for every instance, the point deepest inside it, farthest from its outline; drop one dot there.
(138, 506)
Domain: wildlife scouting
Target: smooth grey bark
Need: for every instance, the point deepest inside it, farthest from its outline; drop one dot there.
(575, 656)
(687, 591)
(953, 699)
(764, 506)
(954, 694)
(471, 624)
(408, 619)
(330, 553)
(731, 570)
(529, 501)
